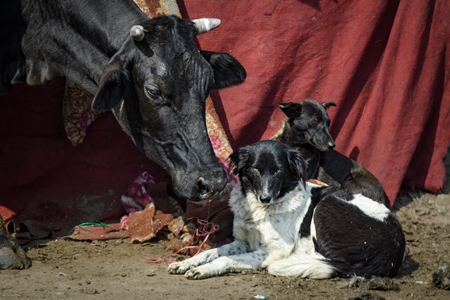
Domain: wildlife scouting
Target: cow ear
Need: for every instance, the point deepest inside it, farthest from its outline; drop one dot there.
(328, 104)
(297, 165)
(238, 159)
(116, 78)
(112, 88)
(291, 110)
(227, 70)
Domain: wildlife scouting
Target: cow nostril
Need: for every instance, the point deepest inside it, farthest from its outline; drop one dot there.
(204, 188)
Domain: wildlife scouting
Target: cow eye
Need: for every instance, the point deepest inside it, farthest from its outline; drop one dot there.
(154, 94)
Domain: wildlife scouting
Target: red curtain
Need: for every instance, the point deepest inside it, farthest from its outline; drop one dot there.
(385, 63)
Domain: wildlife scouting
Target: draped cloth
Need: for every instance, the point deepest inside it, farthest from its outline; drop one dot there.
(385, 64)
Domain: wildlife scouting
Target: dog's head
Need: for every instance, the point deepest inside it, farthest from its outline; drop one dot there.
(268, 169)
(309, 122)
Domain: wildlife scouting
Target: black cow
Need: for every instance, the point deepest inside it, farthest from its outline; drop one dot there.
(147, 71)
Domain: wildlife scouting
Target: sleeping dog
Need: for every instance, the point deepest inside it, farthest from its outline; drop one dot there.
(278, 225)
(306, 129)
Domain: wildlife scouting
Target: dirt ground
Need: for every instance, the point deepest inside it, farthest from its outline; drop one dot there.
(117, 269)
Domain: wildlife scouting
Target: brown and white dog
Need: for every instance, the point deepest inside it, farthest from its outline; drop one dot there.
(293, 229)
(306, 129)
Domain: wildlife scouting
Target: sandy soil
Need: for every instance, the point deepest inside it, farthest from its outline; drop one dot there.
(117, 269)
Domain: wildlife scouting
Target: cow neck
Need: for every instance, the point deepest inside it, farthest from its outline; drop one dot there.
(99, 31)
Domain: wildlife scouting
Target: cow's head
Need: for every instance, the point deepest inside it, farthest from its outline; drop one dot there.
(156, 85)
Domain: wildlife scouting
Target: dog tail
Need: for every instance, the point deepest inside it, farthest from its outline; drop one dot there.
(302, 266)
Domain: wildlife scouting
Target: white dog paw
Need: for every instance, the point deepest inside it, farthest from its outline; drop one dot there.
(178, 268)
(196, 274)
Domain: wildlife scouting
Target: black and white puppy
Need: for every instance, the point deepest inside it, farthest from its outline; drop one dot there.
(279, 226)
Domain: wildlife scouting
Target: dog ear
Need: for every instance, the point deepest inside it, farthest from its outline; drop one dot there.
(297, 165)
(290, 109)
(238, 159)
(328, 104)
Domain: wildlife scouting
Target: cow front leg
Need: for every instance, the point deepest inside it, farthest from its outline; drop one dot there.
(228, 264)
(182, 267)
(12, 256)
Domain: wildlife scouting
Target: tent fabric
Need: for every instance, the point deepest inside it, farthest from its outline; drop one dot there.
(384, 63)
(46, 179)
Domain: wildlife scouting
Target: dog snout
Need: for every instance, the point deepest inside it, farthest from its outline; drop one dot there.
(265, 190)
(265, 197)
(331, 145)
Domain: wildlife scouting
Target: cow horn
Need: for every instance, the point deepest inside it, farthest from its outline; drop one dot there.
(137, 32)
(206, 24)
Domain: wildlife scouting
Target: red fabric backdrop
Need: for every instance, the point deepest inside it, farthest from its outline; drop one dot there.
(385, 63)
(44, 178)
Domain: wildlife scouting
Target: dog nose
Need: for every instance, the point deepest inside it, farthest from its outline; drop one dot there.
(265, 199)
(331, 145)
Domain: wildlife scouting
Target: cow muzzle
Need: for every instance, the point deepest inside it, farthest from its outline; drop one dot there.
(205, 188)
(209, 188)
(208, 185)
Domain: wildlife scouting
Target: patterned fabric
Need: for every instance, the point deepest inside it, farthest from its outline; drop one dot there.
(77, 112)
(218, 137)
(155, 8)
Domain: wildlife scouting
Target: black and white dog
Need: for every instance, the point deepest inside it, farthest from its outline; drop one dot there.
(278, 225)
